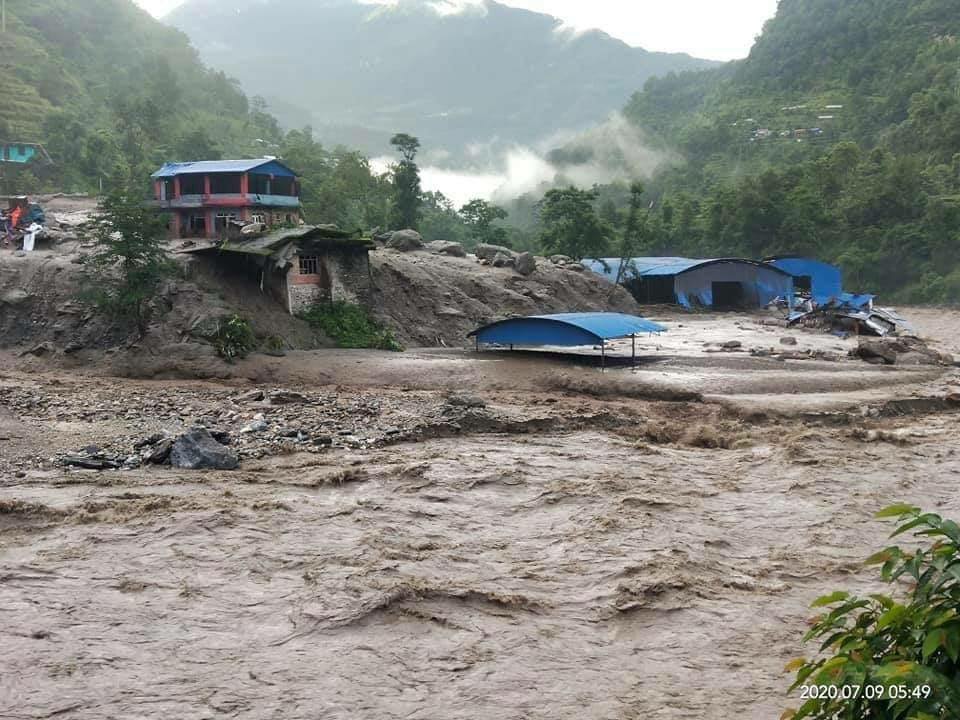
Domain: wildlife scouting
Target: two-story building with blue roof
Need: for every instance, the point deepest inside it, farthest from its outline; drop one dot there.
(204, 197)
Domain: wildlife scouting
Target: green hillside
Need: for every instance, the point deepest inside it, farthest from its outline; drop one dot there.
(838, 136)
(109, 90)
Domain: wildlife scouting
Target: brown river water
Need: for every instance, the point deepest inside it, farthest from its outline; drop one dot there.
(585, 555)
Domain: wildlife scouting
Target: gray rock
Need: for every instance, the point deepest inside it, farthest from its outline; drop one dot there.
(466, 401)
(255, 426)
(501, 260)
(526, 263)
(732, 345)
(14, 297)
(159, 453)
(489, 252)
(91, 463)
(443, 247)
(561, 259)
(788, 340)
(405, 240)
(250, 396)
(197, 450)
(575, 266)
(287, 397)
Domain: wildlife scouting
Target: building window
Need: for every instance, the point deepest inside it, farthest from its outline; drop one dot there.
(258, 219)
(309, 265)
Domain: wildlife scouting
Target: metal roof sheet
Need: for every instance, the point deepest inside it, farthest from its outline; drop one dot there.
(565, 329)
(216, 166)
(659, 266)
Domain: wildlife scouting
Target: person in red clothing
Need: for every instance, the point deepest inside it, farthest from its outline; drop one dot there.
(15, 217)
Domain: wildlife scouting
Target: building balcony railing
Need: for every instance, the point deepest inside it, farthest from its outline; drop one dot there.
(227, 200)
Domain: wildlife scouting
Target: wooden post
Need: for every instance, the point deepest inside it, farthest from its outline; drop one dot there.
(603, 356)
(633, 354)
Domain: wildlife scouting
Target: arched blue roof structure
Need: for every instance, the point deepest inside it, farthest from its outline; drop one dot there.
(717, 282)
(565, 330)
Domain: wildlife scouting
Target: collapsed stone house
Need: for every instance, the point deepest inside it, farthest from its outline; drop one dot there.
(298, 267)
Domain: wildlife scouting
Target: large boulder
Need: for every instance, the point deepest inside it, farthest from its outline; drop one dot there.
(489, 252)
(502, 260)
(198, 450)
(526, 263)
(405, 240)
(445, 247)
(899, 351)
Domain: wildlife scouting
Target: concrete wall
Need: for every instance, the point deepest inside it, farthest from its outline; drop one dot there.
(344, 276)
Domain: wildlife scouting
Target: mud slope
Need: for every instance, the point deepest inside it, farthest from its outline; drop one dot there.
(431, 300)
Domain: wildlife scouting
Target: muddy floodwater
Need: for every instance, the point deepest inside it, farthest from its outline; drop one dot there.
(556, 543)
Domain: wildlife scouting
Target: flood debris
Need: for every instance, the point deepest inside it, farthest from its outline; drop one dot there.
(851, 315)
(899, 351)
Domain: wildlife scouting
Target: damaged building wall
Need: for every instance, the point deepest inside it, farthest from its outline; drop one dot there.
(822, 280)
(732, 283)
(328, 276)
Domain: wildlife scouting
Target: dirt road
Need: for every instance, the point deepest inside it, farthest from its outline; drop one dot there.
(555, 543)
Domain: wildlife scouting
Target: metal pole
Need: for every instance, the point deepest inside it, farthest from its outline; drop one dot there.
(477, 338)
(603, 356)
(633, 354)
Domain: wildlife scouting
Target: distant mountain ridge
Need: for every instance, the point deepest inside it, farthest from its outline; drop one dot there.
(358, 73)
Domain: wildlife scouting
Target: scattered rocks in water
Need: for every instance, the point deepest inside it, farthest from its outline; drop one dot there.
(198, 450)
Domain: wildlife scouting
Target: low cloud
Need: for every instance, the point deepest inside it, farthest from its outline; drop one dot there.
(613, 151)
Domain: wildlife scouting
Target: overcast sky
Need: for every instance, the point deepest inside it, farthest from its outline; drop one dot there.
(715, 29)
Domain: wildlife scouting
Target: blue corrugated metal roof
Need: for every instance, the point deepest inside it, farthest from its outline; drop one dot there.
(654, 266)
(222, 166)
(826, 280)
(565, 329)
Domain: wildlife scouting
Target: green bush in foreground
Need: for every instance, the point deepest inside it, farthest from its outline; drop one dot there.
(891, 660)
(350, 326)
(234, 338)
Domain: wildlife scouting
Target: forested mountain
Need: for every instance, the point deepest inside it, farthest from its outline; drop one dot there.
(109, 90)
(359, 72)
(112, 93)
(838, 136)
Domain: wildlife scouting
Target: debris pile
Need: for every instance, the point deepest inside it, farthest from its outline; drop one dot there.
(906, 350)
(851, 315)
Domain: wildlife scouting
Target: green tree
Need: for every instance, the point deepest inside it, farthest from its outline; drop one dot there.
(571, 225)
(634, 236)
(891, 659)
(407, 197)
(129, 263)
(479, 216)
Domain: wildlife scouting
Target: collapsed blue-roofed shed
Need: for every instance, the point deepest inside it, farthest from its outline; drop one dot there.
(718, 283)
(822, 280)
(565, 330)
